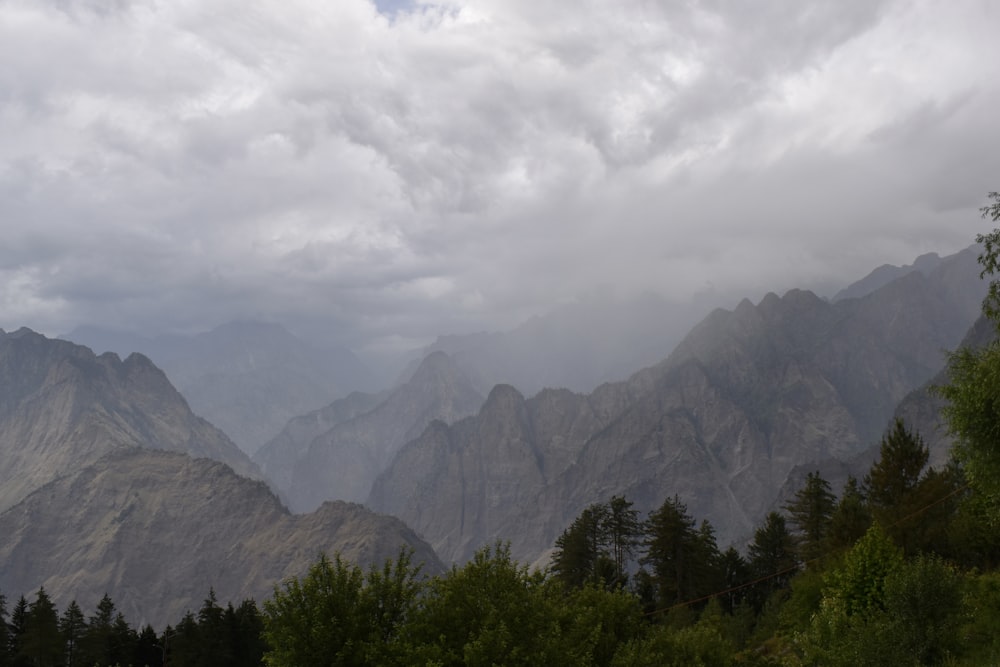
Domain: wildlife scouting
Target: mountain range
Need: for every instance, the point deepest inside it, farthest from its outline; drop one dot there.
(110, 484)
(247, 378)
(746, 397)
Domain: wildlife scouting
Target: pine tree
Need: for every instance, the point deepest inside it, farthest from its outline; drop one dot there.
(5, 657)
(624, 530)
(579, 549)
(96, 644)
(41, 643)
(772, 557)
(896, 488)
(213, 647)
(851, 518)
(672, 551)
(18, 625)
(72, 627)
(811, 513)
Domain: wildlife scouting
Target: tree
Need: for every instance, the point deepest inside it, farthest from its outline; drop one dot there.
(490, 611)
(5, 656)
(892, 485)
(811, 512)
(213, 647)
(676, 552)
(576, 559)
(336, 615)
(18, 626)
(624, 534)
(771, 556)
(41, 642)
(973, 389)
(72, 627)
(850, 519)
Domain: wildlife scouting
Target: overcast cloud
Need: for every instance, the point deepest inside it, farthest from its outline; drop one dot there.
(392, 172)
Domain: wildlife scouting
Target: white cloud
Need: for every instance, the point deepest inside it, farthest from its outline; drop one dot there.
(433, 167)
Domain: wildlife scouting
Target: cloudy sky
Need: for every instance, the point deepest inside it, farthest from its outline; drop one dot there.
(390, 171)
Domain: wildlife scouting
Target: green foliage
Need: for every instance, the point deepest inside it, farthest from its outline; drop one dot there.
(489, 611)
(336, 615)
(989, 258)
(859, 582)
(771, 558)
(579, 550)
(901, 494)
(982, 603)
(595, 621)
(912, 617)
(685, 561)
(851, 518)
(973, 389)
(598, 545)
(698, 645)
(973, 416)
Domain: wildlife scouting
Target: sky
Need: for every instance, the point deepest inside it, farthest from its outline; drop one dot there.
(381, 173)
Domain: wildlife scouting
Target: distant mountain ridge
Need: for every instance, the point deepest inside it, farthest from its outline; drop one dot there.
(248, 378)
(62, 408)
(748, 395)
(576, 346)
(337, 452)
(885, 274)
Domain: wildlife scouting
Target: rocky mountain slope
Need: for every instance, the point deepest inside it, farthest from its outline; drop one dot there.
(247, 378)
(155, 530)
(309, 465)
(748, 395)
(63, 408)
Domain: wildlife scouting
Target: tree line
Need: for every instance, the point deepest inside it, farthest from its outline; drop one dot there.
(901, 568)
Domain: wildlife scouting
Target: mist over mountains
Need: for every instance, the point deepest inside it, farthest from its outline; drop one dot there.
(247, 378)
(111, 483)
(748, 395)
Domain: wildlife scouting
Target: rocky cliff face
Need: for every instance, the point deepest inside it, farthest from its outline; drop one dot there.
(342, 462)
(247, 378)
(155, 530)
(62, 408)
(746, 397)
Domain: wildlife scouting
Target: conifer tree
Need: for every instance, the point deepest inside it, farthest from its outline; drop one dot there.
(811, 512)
(771, 556)
(624, 531)
(4, 633)
(18, 625)
(72, 627)
(851, 518)
(580, 547)
(40, 643)
(672, 551)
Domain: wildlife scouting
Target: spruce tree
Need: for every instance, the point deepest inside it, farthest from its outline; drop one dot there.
(41, 643)
(580, 547)
(72, 627)
(851, 518)
(811, 512)
(672, 552)
(772, 559)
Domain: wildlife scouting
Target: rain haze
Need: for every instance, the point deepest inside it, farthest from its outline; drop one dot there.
(381, 173)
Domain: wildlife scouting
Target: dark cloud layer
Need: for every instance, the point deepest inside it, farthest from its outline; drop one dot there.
(384, 173)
